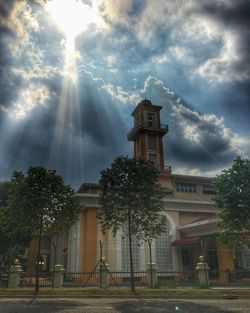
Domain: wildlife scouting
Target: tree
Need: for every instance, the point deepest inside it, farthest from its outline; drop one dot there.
(40, 203)
(131, 196)
(11, 240)
(233, 197)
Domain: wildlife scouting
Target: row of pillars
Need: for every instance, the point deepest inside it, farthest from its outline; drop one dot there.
(152, 275)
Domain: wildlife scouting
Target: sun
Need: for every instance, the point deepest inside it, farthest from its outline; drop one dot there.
(72, 17)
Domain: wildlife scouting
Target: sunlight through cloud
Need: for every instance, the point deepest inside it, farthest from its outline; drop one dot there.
(72, 17)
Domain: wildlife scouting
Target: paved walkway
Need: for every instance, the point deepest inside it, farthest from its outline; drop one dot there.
(122, 306)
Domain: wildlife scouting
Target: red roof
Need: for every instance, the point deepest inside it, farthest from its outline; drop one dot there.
(193, 241)
(208, 217)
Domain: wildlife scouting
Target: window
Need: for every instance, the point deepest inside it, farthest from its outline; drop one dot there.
(163, 250)
(152, 158)
(125, 256)
(208, 190)
(151, 119)
(152, 142)
(137, 119)
(184, 187)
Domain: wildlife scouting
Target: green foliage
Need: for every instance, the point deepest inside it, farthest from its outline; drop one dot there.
(233, 197)
(41, 200)
(5, 191)
(37, 203)
(11, 242)
(131, 185)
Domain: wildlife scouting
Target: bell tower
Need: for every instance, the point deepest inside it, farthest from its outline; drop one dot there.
(147, 133)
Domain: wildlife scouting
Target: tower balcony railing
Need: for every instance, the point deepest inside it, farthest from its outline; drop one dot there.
(161, 128)
(168, 169)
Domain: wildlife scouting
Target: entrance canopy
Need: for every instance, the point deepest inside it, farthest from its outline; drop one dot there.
(193, 241)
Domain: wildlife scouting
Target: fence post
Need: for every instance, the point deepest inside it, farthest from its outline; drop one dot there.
(58, 276)
(202, 269)
(104, 275)
(152, 277)
(14, 276)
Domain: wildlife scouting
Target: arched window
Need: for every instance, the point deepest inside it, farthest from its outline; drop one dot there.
(136, 252)
(163, 250)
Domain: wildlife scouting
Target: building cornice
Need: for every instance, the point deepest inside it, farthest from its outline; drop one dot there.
(92, 200)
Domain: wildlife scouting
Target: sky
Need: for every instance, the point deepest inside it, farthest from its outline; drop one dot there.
(72, 71)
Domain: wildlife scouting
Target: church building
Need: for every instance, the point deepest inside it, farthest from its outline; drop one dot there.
(188, 206)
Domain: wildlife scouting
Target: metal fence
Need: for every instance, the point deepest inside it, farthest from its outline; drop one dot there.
(28, 279)
(238, 278)
(171, 279)
(81, 279)
(123, 279)
(166, 279)
(3, 280)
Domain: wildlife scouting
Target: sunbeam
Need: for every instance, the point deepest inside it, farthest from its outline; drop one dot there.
(72, 17)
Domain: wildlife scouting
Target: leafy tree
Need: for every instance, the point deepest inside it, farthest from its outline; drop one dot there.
(233, 197)
(131, 196)
(4, 195)
(11, 240)
(40, 203)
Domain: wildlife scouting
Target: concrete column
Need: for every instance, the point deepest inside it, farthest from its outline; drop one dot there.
(202, 269)
(58, 276)
(14, 276)
(104, 275)
(152, 277)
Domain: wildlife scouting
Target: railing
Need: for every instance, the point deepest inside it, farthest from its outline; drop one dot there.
(229, 278)
(81, 279)
(123, 279)
(166, 279)
(158, 127)
(3, 280)
(174, 279)
(28, 279)
(168, 169)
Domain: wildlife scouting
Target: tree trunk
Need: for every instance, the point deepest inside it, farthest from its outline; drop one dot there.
(38, 256)
(150, 260)
(55, 243)
(9, 263)
(130, 251)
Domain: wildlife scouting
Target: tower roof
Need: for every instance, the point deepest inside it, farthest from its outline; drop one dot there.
(146, 104)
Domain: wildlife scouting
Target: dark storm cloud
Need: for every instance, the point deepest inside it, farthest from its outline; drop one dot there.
(211, 150)
(123, 44)
(235, 16)
(231, 13)
(9, 82)
(6, 7)
(196, 141)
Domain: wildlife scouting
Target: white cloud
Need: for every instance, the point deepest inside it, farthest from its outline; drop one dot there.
(115, 11)
(179, 52)
(117, 93)
(29, 98)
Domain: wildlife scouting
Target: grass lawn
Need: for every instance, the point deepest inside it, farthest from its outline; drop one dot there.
(180, 293)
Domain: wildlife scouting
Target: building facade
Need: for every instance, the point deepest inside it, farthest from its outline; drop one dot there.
(188, 206)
